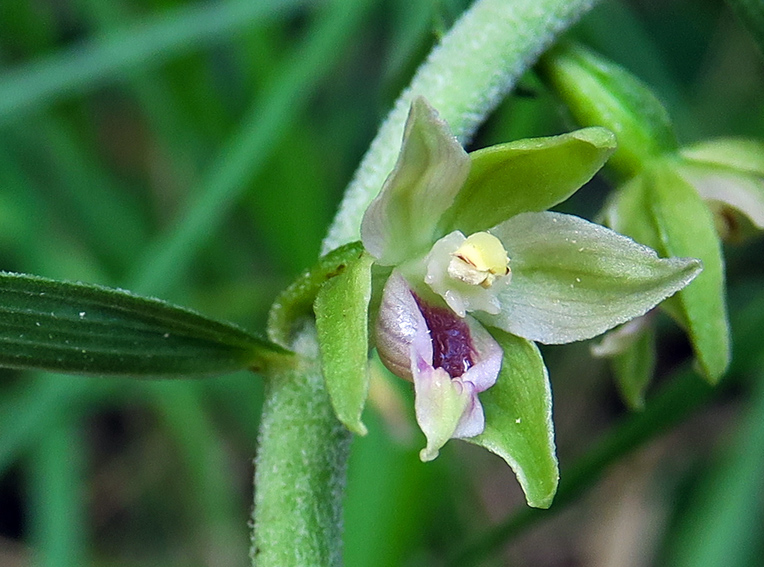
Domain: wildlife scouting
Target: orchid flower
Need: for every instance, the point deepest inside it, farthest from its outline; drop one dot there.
(472, 250)
(473, 270)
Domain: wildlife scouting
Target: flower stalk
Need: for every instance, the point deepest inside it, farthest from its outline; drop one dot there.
(299, 469)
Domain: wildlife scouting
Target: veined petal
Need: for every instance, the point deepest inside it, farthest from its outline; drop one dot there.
(401, 222)
(740, 190)
(573, 280)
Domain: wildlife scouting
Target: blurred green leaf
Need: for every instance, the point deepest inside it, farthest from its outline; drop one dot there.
(721, 525)
(152, 91)
(518, 419)
(139, 45)
(341, 308)
(386, 514)
(58, 491)
(87, 197)
(600, 93)
(68, 327)
(527, 175)
(751, 12)
(250, 146)
(37, 405)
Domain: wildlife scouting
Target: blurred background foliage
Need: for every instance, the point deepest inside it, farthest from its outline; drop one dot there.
(196, 151)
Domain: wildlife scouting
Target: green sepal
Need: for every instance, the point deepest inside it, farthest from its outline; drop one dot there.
(341, 309)
(296, 301)
(686, 228)
(634, 368)
(526, 175)
(739, 154)
(573, 280)
(518, 419)
(597, 92)
(401, 222)
(88, 329)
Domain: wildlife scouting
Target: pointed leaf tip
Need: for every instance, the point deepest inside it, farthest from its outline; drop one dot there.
(88, 329)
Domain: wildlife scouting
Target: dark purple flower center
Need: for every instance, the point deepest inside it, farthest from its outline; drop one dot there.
(451, 341)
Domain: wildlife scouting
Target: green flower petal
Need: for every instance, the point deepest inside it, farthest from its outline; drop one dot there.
(572, 279)
(401, 222)
(341, 321)
(518, 419)
(743, 155)
(526, 175)
(742, 191)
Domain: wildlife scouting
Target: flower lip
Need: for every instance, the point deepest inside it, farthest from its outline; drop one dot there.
(452, 348)
(448, 358)
(409, 329)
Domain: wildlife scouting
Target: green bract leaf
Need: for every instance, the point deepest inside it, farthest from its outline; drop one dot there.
(572, 279)
(686, 228)
(88, 329)
(599, 92)
(296, 301)
(401, 221)
(518, 419)
(527, 175)
(342, 323)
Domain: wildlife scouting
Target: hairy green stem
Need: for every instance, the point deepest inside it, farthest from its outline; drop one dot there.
(300, 469)
(465, 77)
